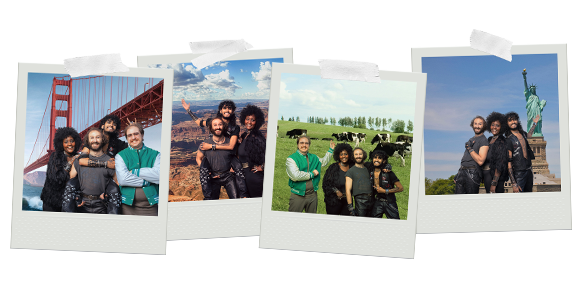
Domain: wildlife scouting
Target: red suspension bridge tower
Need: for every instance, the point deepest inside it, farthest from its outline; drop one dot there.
(54, 113)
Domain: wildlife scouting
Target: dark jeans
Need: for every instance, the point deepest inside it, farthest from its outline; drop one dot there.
(72, 198)
(363, 204)
(93, 207)
(240, 179)
(338, 207)
(525, 179)
(389, 208)
(467, 181)
(487, 178)
(227, 181)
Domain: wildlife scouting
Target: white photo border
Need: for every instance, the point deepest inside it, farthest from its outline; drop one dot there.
(89, 232)
(341, 234)
(502, 212)
(213, 219)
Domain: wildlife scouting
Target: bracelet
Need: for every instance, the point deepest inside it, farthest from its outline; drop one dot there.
(68, 167)
(471, 150)
(213, 147)
(194, 117)
(494, 183)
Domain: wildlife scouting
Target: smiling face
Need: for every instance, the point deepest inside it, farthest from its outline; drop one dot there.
(513, 124)
(250, 122)
(478, 126)
(358, 156)
(134, 137)
(344, 157)
(109, 126)
(95, 140)
(495, 127)
(217, 127)
(378, 161)
(303, 145)
(69, 145)
(226, 111)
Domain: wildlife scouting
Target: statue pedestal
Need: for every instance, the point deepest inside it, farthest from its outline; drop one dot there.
(539, 164)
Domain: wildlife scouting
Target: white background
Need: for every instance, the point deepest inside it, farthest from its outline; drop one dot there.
(504, 265)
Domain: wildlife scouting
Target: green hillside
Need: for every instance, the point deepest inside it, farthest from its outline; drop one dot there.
(286, 146)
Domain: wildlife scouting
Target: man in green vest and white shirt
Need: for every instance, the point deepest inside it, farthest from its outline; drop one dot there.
(303, 168)
(137, 170)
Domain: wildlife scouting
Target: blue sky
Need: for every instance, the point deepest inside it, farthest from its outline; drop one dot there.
(309, 95)
(38, 92)
(461, 87)
(235, 79)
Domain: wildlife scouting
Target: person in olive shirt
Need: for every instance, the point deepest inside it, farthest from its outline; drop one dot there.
(470, 174)
(303, 169)
(358, 185)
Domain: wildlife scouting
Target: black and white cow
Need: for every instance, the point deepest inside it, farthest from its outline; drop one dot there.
(327, 139)
(347, 137)
(381, 138)
(405, 138)
(294, 133)
(394, 150)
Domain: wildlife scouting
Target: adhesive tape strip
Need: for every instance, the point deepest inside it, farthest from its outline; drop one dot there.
(349, 70)
(216, 51)
(491, 44)
(96, 64)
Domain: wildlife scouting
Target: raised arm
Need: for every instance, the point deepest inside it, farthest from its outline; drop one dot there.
(526, 90)
(531, 131)
(193, 117)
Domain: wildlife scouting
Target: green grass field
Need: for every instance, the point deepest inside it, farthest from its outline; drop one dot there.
(286, 146)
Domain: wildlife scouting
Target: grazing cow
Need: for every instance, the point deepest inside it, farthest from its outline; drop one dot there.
(294, 133)
(381, 138)
(405, 138)
(315, 139)
(347, 137)
(362, 137)
(395, 150)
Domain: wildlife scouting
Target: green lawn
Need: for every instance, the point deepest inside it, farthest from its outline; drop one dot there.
(286, 146)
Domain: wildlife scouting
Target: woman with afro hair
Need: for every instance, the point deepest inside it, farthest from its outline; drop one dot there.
(66, 146)
(333, 183)
(252, 149)
(495, 168)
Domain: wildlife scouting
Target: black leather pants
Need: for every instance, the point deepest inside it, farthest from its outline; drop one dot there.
(228, 182)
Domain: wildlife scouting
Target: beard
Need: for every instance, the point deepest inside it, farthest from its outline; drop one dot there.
(99, 146)
(358, 160)
(213, 132)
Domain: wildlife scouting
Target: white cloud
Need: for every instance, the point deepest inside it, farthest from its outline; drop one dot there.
(241, 70)
(284, 94)
(338, 86)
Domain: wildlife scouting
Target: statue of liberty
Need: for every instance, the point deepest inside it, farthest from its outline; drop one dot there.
(534, 106)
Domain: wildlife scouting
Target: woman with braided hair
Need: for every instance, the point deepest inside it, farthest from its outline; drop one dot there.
(67, 142)
(333, 183)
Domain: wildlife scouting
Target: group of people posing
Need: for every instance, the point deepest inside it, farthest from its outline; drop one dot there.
(370, 186)
(494, 160)
(229, 159)
(107, 176)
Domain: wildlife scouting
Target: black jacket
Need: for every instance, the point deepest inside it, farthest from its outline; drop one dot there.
(330, 183)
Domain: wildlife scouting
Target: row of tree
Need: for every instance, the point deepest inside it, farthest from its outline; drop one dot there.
(397, 126)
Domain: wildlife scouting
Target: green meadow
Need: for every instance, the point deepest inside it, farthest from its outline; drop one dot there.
(286, 146)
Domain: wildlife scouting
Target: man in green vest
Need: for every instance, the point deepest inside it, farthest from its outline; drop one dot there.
(137, 170)
(303, 168)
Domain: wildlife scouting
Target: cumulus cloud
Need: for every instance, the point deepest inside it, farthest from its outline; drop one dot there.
(191, 84)
(217, 64)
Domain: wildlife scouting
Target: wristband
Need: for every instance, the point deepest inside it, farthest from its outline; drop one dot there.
(194, 117)
(213, 147)
(68, 167)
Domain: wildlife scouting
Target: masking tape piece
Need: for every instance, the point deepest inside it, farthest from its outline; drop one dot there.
(349, 70)
(216, 51)
(96, 64)
(491, 44)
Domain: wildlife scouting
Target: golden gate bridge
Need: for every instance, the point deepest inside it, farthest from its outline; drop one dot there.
(82, 102)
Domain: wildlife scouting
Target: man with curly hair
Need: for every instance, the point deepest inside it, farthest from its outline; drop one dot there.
(470, 174)
(303, 169)
(226, 112)
(385, 184)
(93, 181)
(359, 186)
(520, 154)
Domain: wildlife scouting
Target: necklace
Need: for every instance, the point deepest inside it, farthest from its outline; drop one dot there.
(220, 141)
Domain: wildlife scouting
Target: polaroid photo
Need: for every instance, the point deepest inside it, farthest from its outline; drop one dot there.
(216, 176)
(342, 174)
(489, 123)
(91, 165)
